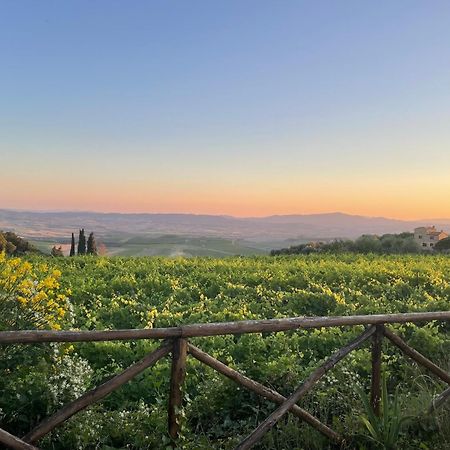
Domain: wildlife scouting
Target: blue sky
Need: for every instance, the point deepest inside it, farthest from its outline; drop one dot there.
(238, 107)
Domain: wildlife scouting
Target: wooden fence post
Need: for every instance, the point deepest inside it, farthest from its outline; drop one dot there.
(14, 442)
(375, 392)
(178, 373)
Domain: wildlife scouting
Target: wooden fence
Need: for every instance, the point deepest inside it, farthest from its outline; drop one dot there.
(175, 342)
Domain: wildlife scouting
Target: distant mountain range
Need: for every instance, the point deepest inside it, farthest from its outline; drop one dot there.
(57, 225)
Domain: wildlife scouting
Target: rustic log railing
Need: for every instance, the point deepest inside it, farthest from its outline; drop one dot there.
(176, 343)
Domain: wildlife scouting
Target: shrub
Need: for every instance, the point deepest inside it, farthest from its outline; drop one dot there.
(31, 298)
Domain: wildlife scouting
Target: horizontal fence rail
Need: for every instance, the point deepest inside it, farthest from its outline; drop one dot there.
(218, 328)
(176, 343)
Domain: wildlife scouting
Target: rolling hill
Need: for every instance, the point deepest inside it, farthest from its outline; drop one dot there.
(192, 234)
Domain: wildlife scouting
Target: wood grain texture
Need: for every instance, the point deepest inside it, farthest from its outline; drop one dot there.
(375, 390)
(214, 329)
(178, 374)
(14, 442)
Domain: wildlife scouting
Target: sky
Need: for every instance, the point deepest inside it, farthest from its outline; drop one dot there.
(247, 108)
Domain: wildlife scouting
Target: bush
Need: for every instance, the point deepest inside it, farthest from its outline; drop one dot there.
(30, 297)
(443, 245)
(368, 243)
(34, 378)
(12, 244)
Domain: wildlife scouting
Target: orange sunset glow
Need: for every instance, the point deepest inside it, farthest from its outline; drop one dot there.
(361, 197)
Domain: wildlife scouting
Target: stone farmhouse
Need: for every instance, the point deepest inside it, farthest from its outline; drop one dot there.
(427, 237)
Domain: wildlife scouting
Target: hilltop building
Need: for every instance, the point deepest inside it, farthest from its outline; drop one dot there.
(427, 237)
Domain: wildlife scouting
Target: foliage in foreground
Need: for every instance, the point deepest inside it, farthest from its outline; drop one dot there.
(108, 293)
(385, 429)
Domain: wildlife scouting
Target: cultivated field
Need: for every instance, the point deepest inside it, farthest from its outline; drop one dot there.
(168, 245)
(111, 293)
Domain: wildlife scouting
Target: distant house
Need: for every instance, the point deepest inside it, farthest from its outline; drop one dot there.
(427, 237)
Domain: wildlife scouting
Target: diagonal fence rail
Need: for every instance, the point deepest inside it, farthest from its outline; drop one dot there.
(177, 344)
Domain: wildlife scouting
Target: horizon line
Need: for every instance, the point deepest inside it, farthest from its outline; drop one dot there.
(323, 213)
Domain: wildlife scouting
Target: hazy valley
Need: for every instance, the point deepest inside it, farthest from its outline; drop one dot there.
(196, 235)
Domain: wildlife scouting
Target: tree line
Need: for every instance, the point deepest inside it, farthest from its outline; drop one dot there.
(84, 247)
(368, 243)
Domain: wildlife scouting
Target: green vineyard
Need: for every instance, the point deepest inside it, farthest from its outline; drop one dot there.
(89, 293)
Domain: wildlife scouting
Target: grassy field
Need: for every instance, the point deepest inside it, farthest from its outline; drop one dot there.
(110, 293)
(168, 245)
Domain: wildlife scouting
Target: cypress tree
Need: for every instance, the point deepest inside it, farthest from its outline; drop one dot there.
(72, 246)
(81, 243)
(91, 245)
